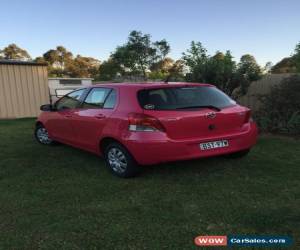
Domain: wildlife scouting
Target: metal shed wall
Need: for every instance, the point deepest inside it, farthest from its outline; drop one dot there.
(23, 89)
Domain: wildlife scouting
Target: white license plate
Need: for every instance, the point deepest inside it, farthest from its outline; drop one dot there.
(214, 144)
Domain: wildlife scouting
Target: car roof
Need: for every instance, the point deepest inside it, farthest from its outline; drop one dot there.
(145, 85)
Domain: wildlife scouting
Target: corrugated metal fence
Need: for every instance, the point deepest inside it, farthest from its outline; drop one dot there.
(23, 89)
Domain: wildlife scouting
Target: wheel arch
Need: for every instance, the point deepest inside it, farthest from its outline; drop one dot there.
(105, 141)
(37, 123)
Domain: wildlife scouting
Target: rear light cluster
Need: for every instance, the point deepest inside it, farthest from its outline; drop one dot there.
(142, 122)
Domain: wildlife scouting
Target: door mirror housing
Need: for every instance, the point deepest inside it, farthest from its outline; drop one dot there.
(47, 107)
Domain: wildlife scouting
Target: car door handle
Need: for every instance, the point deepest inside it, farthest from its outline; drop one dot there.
(100, 116)
(68, 116)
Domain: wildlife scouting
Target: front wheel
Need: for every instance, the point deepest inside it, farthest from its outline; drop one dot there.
(120, 161)
(42, 136)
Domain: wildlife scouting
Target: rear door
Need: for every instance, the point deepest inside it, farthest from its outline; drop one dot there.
(89, 121)
(193, 112)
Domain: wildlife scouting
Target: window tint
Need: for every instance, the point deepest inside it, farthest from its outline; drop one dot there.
(110, 100)
(183, 97)
(96, 98)
(70, 101)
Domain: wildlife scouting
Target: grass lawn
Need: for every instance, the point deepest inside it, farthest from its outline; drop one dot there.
(63, 198)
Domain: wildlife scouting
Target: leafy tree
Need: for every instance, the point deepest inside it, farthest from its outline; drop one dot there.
(196, 59)
(13, 52)
(58, 60)
(268, 68)
(163, 65)
(176, 72)
(167, 69)
(40, 59)
(247, 71)
(109, 69)
(218, 69)
(296, 57)
(249, 67)
(160, 69)
(222, 68)
(286, 65)
(83, 67)
(137, 55)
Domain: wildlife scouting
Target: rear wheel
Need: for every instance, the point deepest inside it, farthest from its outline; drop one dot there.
(42, 136)
(120, 161)
(238, 154)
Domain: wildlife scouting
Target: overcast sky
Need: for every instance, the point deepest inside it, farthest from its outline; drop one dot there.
(267, 29)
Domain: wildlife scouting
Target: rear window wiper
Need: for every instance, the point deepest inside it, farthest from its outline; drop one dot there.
(200, 106)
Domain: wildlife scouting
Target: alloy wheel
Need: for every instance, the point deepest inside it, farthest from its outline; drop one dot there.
(42, 135)
(117, 160)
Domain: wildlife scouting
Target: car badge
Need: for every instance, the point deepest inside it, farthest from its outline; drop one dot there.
(210, 115)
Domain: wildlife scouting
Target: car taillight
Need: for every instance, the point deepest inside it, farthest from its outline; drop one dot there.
(248, 116)
(142, 122)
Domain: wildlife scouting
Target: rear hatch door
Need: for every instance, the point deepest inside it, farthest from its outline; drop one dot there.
(193, 111)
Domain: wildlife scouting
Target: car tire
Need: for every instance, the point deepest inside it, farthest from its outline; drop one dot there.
(41, 135)
(238, 154)
(119, 160)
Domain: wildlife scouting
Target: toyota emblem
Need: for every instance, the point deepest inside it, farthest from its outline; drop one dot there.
(210, 115)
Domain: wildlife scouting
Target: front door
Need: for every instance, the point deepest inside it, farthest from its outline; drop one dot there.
(60, 123)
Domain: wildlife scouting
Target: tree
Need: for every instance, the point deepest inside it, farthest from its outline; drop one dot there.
(83, 66)
(268, 68)
(296, 57)
(13, 52)
(249, 67)
(167, 69)
(196, 59)
(137, 55)
(109, 70)
(218, 69)
(247, 71)
(221, 71)
(40, 59)
(58, 60)
(163, 65)
(176, 72)
(286, 65)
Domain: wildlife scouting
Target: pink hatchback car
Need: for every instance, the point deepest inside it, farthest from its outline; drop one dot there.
(133, 124)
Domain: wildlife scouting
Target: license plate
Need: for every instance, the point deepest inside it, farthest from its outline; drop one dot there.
(214, 144)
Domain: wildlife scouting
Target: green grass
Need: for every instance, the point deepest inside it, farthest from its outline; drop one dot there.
(63, 198)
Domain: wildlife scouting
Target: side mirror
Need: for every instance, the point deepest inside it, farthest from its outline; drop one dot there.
(47, 107)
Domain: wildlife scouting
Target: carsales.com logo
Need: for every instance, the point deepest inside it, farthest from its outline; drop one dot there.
(243, 240)
(211, 240)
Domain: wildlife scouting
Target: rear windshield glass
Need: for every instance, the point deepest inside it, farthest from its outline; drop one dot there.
(183, 98)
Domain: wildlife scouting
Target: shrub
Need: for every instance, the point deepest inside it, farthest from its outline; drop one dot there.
(280, 109)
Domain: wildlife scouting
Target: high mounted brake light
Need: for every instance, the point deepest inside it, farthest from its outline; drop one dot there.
(142, 122)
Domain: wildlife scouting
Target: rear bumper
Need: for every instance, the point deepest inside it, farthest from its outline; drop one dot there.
(152, 148)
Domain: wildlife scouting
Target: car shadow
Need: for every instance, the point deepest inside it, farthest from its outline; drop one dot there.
(196, 166)
(201, 166)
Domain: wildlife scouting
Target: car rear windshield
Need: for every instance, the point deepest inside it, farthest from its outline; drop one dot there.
(182, 98)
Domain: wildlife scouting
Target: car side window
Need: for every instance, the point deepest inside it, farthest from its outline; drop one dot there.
(110, 100)
(70, 101)
(96, 98)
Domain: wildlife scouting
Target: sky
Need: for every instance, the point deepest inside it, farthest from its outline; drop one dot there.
(267, 29)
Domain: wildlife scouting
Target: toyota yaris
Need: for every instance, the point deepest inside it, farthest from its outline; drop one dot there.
(134, 124)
